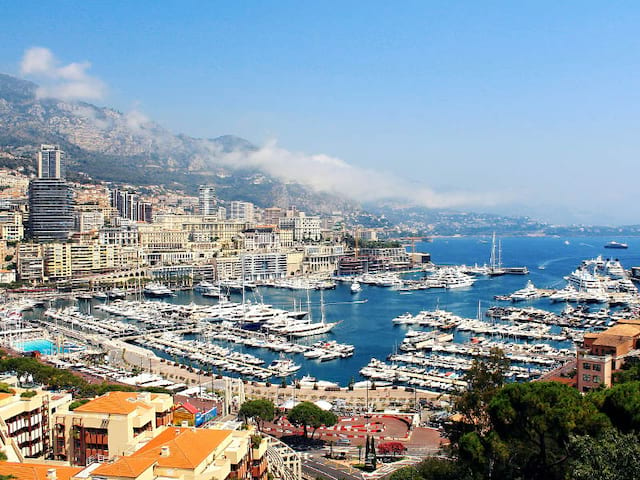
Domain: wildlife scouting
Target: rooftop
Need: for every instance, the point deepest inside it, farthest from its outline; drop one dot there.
(128, 467)
(36, 471)
(188, 447)
(121, 403)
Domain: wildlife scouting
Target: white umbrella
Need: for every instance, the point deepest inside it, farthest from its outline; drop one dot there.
(323, 404)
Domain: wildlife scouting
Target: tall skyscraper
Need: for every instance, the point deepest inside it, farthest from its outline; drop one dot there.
(50, 198)
(51, 162)
(208, 200)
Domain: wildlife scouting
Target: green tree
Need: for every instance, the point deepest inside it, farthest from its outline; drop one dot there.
(535, 422)
(260, 411)
(610, 456)
(621, 404)
(484, 378)
(307, 414)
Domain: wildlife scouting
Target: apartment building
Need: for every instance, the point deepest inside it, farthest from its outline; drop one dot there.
(262, 237)
(321, 258)
(30, 262)
(109, 425)
(605, 352)
(192, 454)
(304, 228)
(25, 419)
(11, 226)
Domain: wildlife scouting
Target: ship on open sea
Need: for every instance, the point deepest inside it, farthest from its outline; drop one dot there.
(618, 245)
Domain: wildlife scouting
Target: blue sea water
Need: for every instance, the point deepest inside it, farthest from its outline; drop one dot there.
(368, 325)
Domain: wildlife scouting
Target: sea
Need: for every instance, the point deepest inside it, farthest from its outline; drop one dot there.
(366, 317)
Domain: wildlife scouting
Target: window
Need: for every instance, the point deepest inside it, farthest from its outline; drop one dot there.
(597, 367)
(586, 366)
(586, 378)
(596, 379)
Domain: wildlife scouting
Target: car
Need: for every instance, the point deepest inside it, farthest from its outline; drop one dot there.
(343, 441)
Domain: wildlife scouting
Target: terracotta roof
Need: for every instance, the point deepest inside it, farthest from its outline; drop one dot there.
(606, 340)
(121, 403)
(625, 329)
(187, 447)
(566, 380)
(129, 467)
(36, 471)
(188, 407)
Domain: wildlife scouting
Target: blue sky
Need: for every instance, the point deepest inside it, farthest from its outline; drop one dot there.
(516, 107)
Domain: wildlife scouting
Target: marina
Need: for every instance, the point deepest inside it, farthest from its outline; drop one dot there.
(424, 334)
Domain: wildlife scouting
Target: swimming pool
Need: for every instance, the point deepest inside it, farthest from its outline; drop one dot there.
(45, 347)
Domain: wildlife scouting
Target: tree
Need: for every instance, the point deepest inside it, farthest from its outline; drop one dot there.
(307, 414)
(534, 423)
(484, 379)
(391, 448)
(611, 456)
(621, 404)
(260, 411)
(431, 468)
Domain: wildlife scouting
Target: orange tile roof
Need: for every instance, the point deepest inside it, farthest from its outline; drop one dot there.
(187, 447)
(4, 395)
(121, 403)
(129, 467)
(36, 471)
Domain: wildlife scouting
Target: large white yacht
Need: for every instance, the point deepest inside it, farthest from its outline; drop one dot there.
(154, 289)
(529, 292)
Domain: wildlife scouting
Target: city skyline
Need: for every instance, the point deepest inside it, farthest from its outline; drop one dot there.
(526, 109)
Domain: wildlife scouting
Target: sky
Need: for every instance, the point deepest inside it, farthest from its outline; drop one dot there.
(527, 108)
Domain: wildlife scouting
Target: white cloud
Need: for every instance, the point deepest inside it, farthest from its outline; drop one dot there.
(66, 82)
(330, 174)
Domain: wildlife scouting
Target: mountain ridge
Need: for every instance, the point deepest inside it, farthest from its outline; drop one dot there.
(110, 145)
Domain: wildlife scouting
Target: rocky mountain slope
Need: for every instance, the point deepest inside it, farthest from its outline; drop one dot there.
(129, 148)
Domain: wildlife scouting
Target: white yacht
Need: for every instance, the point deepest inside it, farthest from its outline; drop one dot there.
(529, 292)
(154, 289)
(283, 367)
(116, 292)
(356, 287)
(450, 277)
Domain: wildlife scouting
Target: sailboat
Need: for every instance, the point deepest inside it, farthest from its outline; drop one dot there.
(495, 263)
(307, 328)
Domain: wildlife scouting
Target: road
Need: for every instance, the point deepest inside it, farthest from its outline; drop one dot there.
(315, 465)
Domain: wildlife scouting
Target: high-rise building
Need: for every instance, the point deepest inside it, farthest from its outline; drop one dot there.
(50, 210)
(130, 206)
(51, 162)
(208, 200)
(50, 198)
(242, 211)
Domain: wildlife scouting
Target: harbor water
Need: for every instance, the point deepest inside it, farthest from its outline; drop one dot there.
(365, 317)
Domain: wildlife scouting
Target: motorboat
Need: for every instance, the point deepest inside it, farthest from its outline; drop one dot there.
(356, 287)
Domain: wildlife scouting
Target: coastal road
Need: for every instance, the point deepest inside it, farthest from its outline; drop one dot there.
(314, 465)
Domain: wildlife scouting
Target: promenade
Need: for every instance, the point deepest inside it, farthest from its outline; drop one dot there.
(379, 399)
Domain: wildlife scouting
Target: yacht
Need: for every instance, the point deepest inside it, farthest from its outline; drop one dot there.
(584, 281)
(203, 286)
(356, 287)
(116, 293)
(157, 290)
(616, 245)
(529, 292)
(449, 278)
(283, 367)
